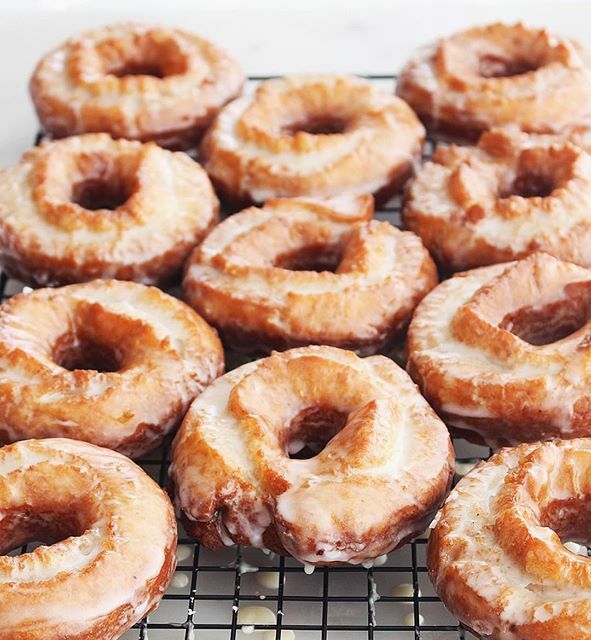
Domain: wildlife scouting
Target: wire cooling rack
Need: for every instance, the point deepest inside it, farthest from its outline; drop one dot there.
(210, 592)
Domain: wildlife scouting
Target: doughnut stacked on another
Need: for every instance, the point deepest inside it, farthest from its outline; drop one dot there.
(496, 556)
(497, 75)
(502, 353)
(114, 538)
(312, 135)
(313, 452)
(305, 271)
(113, 363)
(91, 207)
(511, 195)
(134, 81)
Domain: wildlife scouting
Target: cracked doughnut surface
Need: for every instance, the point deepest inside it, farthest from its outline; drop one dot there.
(510, 196)
(312, 135)
(312, 452)
(113, 363)
(499, 74)
(134, 81)
(279, 276)
(110, 533)
(92, 207)
(496, 555)
(502, 353)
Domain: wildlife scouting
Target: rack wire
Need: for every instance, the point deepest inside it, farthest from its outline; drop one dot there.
(393, 601)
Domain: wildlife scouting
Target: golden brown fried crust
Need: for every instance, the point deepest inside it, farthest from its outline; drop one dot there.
(496, 557)
(497, 75)
(136, 82)
(510, 196)
(263, 277)
(113, 363)
(116, 541)
(233, 202)
(91, 207)
(208, 534)
(270, 145)
(236, 479)
(502, 352)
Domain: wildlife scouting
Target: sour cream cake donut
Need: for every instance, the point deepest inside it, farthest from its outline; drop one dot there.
(113, 363)
(134, 81)
(313, 452)
(496, 556)
(312, 135)
(91, 207)
(304, 271)
(111, 533)
(506, 198)
(502, 353)
(499, 74)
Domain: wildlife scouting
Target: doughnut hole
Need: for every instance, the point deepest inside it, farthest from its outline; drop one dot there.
(497, 53)
(95, 194)
(138, 68)
(540, 171)
(311, 430)
(556, 320)
(56, 508)
(92, 341)
(319, 111)
(77, 351)
(569, 518)
(29, 526)
(495, 66)
(316, 257)
(145, 55)
(499, 58)
(101, 182)
(316, 124)
(531, 185)
(306, 412)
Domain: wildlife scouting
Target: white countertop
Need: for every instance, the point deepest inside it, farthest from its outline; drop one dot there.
(266, 36)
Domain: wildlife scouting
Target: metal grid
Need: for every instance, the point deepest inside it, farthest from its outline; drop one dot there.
(344, 603)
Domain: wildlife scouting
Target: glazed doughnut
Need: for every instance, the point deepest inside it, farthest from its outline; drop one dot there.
(113, 363)
(315, 135)
(263, 276)
(499, 74)
(134, 81)
(496, 556)
(91, 207)
(111, 533)
(313, 452)
(502, 352)
(510, 196)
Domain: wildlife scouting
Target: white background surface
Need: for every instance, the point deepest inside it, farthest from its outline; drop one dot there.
(266, 36)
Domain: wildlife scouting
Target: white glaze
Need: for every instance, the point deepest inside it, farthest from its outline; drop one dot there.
(213, 419)
(125, 546)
